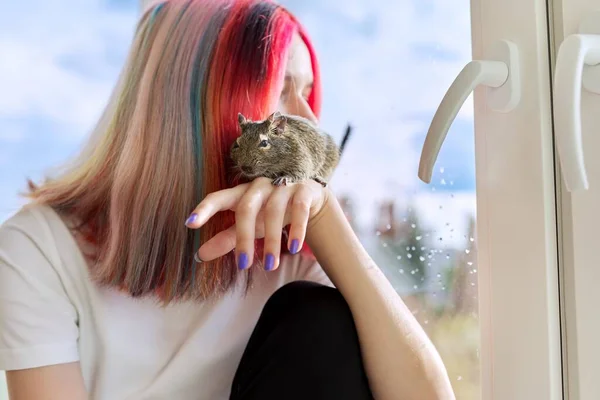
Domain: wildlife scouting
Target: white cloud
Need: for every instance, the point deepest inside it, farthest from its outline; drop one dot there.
(410, 84)
(11, 132)
(32, 77)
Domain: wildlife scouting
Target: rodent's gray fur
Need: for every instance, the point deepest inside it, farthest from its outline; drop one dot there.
(293, 149)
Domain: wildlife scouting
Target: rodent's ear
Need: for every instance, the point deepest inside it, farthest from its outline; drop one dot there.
(279, 124)
(273, 117)
(241, 119)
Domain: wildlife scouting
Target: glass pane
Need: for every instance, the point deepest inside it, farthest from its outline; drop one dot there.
(386, 65)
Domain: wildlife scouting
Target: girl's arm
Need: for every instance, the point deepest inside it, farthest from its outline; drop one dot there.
(400, 360)
(55, 382)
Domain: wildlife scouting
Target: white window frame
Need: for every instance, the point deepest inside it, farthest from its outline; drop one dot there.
(579, 219)
(516, 208)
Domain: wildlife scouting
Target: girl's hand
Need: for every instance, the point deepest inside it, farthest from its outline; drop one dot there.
(261, 211)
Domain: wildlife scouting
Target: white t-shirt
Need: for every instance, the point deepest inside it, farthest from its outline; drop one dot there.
(51, 313)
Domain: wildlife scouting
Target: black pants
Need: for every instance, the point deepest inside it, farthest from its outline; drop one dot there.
(304, 346)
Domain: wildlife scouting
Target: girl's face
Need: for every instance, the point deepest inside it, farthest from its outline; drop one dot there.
(298, 82)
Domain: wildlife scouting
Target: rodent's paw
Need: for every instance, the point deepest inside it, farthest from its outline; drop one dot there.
(320, 180)
(281, 181)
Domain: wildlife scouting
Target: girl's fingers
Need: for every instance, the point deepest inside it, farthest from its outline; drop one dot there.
(217, 246)
(282, 206)
(274, 217)
(300, 211)
(225, 241)
(246, 213)
(223, 200)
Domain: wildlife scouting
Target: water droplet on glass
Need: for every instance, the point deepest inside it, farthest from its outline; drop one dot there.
(412, 272)
(415, 287)
(469, 263)
(426, 322)
(401, 270)
(388, 227)
(451, 182)
(413, 226)
(413, 248)
(409, 255)
(442, 169)
(439, 275)
(472, 239)
(467, 251)
(385, 245)
(451, 195)
(398, 257)
(443, 287)
(459, 378)
(378, 233)
(472, 283)
(419, 237)
(407, 248)
(443, 181)
(447, 256)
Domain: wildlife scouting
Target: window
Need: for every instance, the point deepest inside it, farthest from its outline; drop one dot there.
(385, 67)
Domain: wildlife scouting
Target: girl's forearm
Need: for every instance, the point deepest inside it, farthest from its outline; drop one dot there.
(400, 360)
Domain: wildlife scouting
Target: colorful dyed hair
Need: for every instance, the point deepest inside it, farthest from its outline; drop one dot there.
(162, 143)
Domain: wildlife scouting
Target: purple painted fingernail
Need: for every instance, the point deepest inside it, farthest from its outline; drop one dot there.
(242, 261)
(191, 219)
(269, 262)
(294, 247)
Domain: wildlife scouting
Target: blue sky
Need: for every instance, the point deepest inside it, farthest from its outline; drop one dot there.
(386, 64)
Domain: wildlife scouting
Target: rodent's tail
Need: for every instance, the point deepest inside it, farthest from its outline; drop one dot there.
(345, 138)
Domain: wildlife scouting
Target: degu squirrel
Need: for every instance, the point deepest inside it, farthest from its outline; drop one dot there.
(286, 149)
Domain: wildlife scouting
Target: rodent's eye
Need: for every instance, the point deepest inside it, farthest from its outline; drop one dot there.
(235, 145)
(263, 143)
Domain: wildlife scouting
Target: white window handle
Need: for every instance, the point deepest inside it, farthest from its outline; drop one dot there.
(575, 53)
(500, 73)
